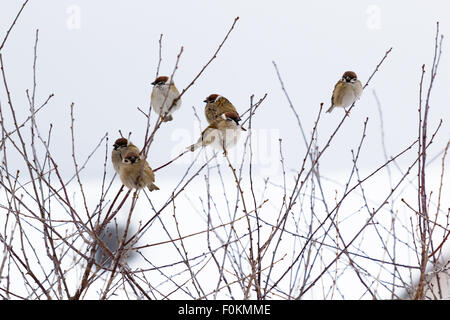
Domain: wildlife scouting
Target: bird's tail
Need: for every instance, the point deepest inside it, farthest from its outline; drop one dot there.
(167, 118)
(330, 109)
(153, 187)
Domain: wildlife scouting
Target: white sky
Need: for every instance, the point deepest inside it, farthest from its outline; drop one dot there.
(102, 55)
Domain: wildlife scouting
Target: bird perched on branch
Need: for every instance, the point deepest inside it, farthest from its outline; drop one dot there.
(164, 98)
(216, 106)
(135, 172)
(221, 134)
(121, 147)
(346, 91)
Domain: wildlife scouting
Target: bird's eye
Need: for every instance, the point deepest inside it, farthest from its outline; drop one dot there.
(118, 146)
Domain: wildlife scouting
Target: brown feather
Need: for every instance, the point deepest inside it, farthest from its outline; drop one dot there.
(232, 115)
(349, 74)
(121, 142)
(163, 79)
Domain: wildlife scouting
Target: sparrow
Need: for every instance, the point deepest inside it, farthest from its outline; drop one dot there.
(221, 134)
(163, 96)
(121, 147)
(135, 172)
(216, 106)
(346, 91)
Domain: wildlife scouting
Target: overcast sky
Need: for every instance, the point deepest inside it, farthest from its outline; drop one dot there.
(102, 55)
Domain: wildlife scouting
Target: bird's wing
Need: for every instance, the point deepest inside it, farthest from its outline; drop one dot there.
(233, 115)
(358, 89)
(223, 105)
(149, 171)
(338, 94)
(175, 90)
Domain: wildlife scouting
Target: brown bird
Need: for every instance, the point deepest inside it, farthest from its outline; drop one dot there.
(216, 106)
(163, 96)
(121, 147)
(346, 91)
(222, 134)
(135, 172)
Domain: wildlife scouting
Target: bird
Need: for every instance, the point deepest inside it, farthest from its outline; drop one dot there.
(164, 95)
(120, 147)
(346, 91)
(221, 134)
(216, 106)
(136, 173)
